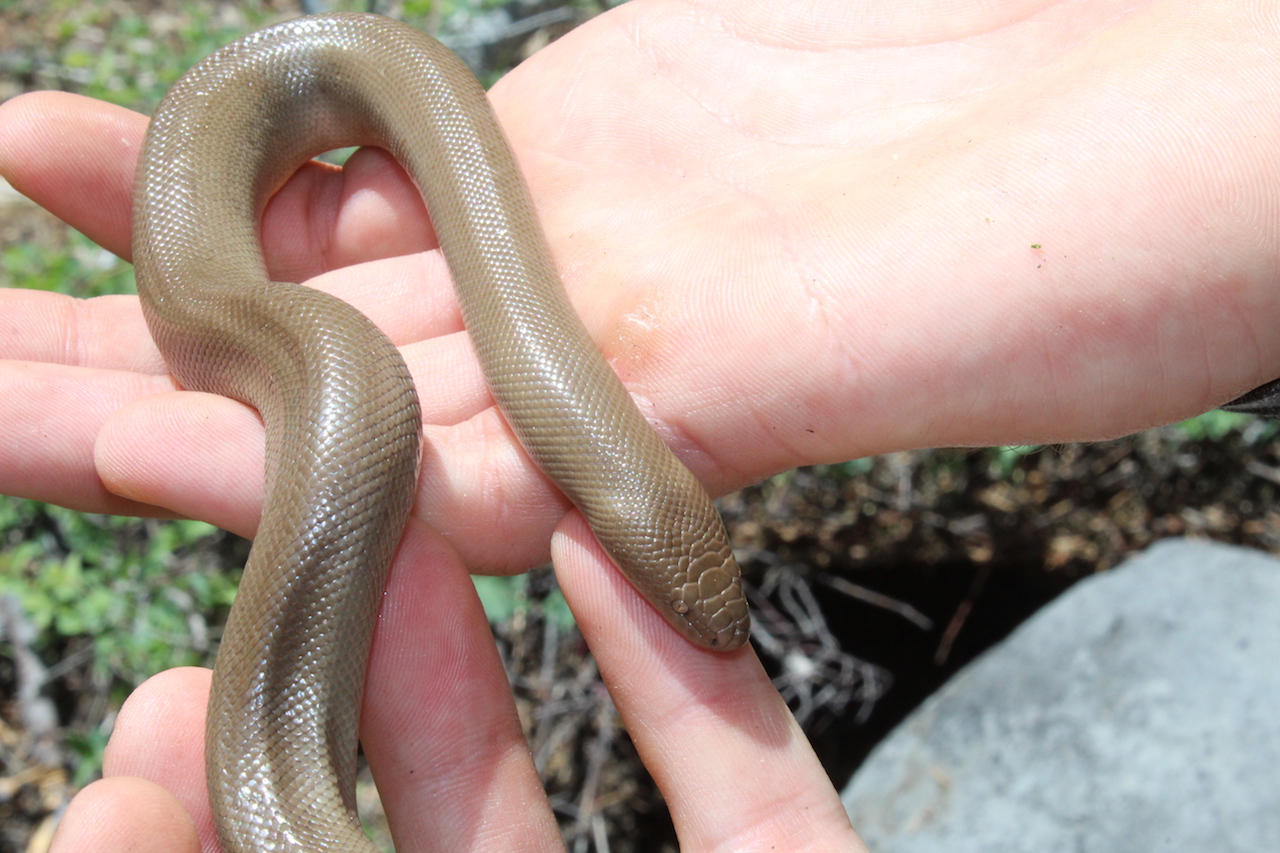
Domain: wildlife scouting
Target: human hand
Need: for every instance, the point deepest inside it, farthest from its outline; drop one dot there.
(798, 236)
(442, 738)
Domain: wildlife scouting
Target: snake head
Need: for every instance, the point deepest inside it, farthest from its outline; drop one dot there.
(709, 608)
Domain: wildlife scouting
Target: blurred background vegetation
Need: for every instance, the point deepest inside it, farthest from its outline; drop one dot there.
(895, 570)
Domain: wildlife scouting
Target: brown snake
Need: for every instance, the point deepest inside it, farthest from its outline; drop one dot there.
(340, 409)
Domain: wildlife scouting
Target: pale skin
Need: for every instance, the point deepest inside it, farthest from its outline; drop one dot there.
(805, 233)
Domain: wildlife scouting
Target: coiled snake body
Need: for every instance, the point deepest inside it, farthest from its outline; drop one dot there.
(340, 409)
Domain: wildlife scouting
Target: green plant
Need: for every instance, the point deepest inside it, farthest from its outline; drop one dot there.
(1217, 424)
(80, 268)
(140, 591)
(88, 748)
(503, 597)
(1005, 459)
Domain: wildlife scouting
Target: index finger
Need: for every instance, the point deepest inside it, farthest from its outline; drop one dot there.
(735, 768)
(76, 156)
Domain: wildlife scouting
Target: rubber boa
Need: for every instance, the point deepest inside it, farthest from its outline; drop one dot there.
(339, 406)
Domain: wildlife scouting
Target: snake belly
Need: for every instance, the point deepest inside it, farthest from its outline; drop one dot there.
(341, 414)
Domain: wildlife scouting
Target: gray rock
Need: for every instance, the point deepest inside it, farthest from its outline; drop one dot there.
(1139, 712)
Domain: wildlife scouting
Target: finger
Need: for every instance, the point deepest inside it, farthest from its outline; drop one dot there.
(78, 365)
(50, 416)
(197, 455)
(323, 218)
(408, 297)
(74, 156)
(735, 769)
(326, 218)
(125, 814)
(439, 726)
(159, 737)
(201, 456)
(52, 413)
(480, 490)
(107, 332)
